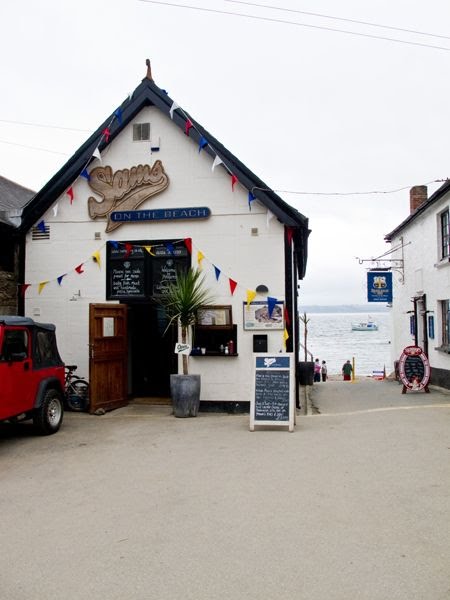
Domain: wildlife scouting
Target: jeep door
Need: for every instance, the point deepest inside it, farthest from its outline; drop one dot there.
(16, 386)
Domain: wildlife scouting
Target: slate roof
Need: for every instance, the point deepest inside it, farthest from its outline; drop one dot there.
(438, 194)
(13, 197)
(147, 94)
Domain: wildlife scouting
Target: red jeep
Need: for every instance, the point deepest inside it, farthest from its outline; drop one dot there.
(31, 374)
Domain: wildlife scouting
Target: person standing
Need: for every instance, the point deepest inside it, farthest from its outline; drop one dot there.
(324, 371)
(317, 370)
(347, 371)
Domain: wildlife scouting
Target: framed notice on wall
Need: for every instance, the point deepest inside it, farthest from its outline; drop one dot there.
(218, 316)
(257, 315)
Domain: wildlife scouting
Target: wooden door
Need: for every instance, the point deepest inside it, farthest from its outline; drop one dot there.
(108, 356)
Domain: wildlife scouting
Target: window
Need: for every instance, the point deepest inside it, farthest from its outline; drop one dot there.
(141, 132)
(15, 344)
(431, 327)
(445, 308)
(445, 234)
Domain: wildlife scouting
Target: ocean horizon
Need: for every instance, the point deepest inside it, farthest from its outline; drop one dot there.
(330, 338)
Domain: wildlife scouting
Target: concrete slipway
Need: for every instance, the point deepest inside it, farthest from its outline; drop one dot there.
(136, 504)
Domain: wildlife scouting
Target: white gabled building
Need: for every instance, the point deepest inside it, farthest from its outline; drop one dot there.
(421, 294)
(140, 200)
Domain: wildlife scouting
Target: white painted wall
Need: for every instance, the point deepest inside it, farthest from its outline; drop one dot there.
(225, 239)
(424, 272)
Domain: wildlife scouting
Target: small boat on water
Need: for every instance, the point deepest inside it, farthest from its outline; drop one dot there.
(368, 325)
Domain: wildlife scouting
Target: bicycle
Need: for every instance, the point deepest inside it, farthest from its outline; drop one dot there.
(76, 390)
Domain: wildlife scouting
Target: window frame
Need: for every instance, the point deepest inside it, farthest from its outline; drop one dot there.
(444, 234)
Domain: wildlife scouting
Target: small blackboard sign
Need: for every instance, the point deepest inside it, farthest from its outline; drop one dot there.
(414, 369)
(272, 395)
(127, 279)
(273, 400)
(164, 273)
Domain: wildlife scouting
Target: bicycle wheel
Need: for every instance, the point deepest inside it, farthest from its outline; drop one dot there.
(78, 395)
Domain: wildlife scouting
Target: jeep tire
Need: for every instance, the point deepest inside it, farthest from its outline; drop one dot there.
(48, 416)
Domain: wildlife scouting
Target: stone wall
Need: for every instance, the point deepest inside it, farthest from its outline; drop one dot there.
(8, 293)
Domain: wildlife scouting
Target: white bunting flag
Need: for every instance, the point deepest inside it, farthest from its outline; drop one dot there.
(217, 161)
(97, 154)
(55, 210)
(269, 216)
(172, 108)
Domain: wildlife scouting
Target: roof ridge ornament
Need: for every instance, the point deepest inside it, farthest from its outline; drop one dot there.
(149, 70)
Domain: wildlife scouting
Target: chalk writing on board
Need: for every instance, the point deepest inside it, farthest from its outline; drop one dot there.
(272, 395)
(414, 367)
(127, 279)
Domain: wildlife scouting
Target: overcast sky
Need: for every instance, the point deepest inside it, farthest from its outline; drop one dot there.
(307, 108)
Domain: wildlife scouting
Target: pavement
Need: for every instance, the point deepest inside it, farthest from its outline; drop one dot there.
(137, 504)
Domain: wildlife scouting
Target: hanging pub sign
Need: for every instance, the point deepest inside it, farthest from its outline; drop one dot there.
(379, 286)
(414, 369)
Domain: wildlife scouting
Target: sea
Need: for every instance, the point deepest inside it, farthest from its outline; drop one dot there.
(330, 338)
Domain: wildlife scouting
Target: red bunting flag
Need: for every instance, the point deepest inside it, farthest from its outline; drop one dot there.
(23, 288)
(106, 132)
(233, 285)
(188, 244)
(188, 126)
(79, 269)
(234, 180)
(128, 248)
(289, 234)
(286, 316)
(70, 194)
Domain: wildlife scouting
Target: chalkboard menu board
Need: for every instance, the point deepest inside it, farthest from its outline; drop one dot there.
(127, 279)
(143, 270)
(414, 369)
(272, 395)
(273, 400)
(164, 272)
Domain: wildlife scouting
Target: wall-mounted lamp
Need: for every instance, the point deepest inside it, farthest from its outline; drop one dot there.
(262, 289)
(75, 296)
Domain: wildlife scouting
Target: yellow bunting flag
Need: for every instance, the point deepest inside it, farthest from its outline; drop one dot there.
(251, 294)
(42, 286)
(200, 257)
(285, 337)
(149, 250)
(96, 257)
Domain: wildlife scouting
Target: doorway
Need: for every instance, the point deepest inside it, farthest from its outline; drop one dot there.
(151, 351)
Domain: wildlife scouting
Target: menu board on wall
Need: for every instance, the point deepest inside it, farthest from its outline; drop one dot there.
(135, 273)
(164, 273)
(127, 279)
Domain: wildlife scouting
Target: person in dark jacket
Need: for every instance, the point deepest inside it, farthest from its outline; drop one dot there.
(347, 371)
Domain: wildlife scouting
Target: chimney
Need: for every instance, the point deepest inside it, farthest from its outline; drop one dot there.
(417, 196)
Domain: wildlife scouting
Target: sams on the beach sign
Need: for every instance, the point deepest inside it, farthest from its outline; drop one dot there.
(379, 286)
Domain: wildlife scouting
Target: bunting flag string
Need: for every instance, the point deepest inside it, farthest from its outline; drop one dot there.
(250, 294)
(96, 257)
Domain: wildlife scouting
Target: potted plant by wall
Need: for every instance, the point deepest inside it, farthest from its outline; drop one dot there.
(182, 301)
(306, 367)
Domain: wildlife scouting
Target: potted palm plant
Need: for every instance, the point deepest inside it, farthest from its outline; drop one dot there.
(183, 299)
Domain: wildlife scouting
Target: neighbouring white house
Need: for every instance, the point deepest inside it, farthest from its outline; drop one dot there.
(421, 291)
(150, 193)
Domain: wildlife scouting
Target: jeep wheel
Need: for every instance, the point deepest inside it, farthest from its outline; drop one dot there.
(48, 417)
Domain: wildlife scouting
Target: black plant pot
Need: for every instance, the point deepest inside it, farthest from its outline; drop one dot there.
(185, 392)
(306, 373)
